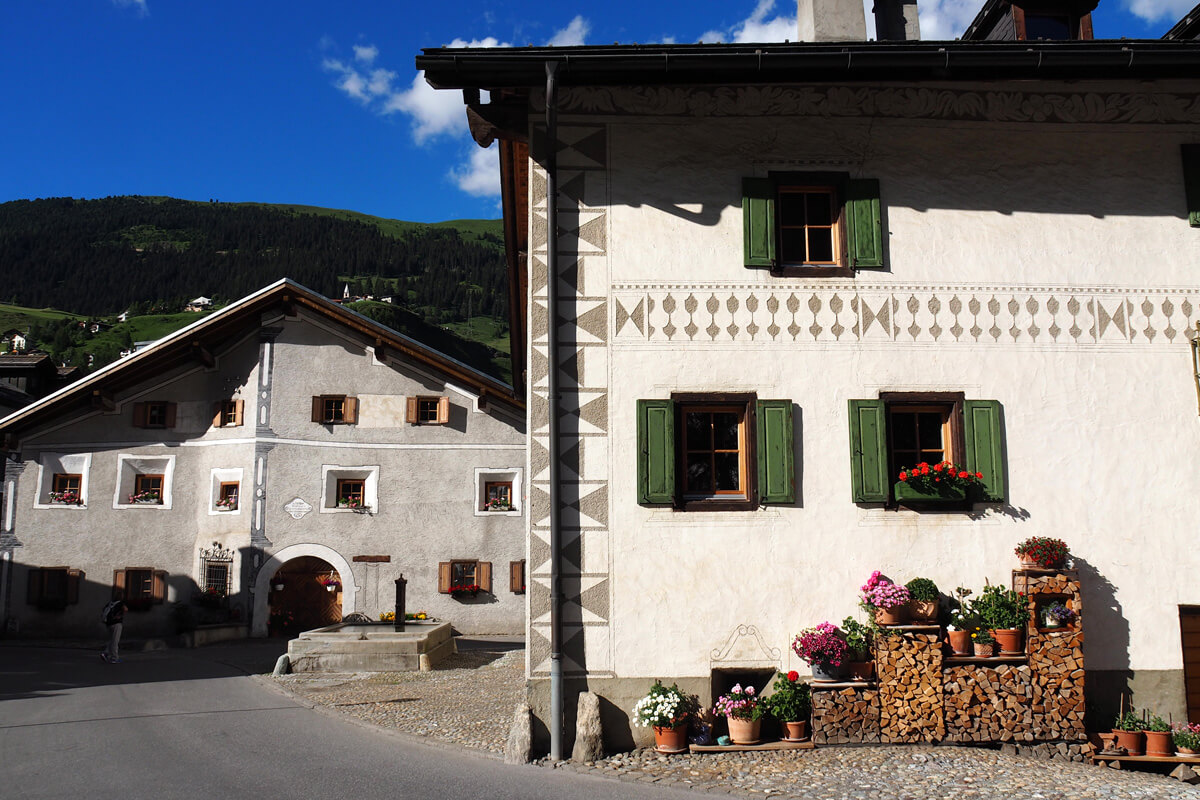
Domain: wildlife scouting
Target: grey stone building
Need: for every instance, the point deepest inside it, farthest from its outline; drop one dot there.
(280, 464)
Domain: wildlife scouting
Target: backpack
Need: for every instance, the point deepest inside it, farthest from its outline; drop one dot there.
(108, 615)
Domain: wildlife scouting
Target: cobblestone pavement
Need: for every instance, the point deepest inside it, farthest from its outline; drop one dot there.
(469, 701)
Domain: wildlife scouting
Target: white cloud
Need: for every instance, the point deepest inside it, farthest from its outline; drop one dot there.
(479, 175)
(757, 27)
(946, 19)
(365, 54)
(490, 41)
(572, 35)
(434, 111)
(1154, 10)
(140, 5)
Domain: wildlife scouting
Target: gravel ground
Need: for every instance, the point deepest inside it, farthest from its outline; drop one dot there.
(469, 700)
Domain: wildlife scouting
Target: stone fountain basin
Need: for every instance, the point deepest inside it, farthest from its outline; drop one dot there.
(371, 647)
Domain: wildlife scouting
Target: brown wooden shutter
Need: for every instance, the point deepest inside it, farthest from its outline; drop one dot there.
(139, 415)
(159, 590)
(237, 411)
(171, 415)
(33, 590)
(443, 410)
(350, 413)
(444, 577)
(118, 580)
(218, 415)
(74, 579)
(516, 577)
(318, 409)
(410, 412)
(484, 572)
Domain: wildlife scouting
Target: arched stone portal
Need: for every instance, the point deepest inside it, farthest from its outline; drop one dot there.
(262, 585)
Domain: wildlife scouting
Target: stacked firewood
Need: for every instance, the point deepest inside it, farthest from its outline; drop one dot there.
(909, 665)
(847, 715)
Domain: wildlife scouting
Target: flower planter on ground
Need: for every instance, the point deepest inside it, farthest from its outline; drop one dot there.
(745, 731)
(666, 710)
(1158, 743)
(795, 731)
(1132, 741)
(671, 740)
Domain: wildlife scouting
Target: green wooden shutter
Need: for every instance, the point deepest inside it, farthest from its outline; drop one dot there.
(776, 470)
(981, 420)
(864, 225)
(758, 222)
(656, 451)
(868, 451)
(1191, 182)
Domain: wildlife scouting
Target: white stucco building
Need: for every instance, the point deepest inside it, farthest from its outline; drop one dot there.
(787, 270)
(286, 456)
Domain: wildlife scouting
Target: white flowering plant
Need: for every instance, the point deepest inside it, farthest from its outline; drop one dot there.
(663, 707)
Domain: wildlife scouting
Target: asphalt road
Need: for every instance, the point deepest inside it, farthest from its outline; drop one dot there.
(192, 724)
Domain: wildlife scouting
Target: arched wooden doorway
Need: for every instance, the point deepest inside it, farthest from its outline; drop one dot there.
(300, 598)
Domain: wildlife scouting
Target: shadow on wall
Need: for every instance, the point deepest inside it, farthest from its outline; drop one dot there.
(1102, 612)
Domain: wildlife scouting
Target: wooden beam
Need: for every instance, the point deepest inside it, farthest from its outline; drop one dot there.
(289, 307)
(380, 349)
(103, 401)
(201, 354)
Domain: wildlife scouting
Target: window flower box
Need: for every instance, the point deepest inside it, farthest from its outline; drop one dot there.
(69, 497)
(148, 497)
(944, 482)
(464, 590)
(227, 504)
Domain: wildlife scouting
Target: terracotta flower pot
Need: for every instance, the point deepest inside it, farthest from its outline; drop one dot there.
(1159, 743)
(861, 670)
(1184, 751)
(1011, 641)
(1132, 741)
(671, 740)
(985, 650)
(923, 610)
(1028, 562)
(896, 615)
(744, 731)
(960, 642)
(795, 731)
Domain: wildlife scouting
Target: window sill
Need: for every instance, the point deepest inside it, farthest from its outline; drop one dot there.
(717, 505)
(77, 506)
(513, 512)
(159, 506)
(341, 510)
(812, 271)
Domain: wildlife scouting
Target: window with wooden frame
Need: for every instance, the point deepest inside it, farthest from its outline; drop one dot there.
(335, 409)
(351, 493)
(53, 588)
(516, 576)
(811, 224)
(228, 414)
(427, 410)
(498, 496)
(154, 414)
(147, 489)
(456, 577)
(899, 430)
(717, 452)
(67, 488)
(143, 586)
(227, 495)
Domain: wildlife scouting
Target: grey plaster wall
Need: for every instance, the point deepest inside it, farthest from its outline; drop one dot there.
(426, 510)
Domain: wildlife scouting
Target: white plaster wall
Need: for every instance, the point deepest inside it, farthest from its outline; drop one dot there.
(1102, 437)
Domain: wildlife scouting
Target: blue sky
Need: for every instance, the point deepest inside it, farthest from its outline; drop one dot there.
(318, 103)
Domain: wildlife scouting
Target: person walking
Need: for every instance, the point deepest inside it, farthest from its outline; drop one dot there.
(114, 617)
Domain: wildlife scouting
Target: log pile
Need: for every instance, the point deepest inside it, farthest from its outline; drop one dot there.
(846, 715)
(909, 665)
(923, 697)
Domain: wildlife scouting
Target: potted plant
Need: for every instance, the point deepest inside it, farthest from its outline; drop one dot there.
(497, 504)
(923, 599)
(884, 600)
(1128, 728)
(228, 503)
(666, 710)
(1042, 552)
(212, 597)
(354, 503)
(277, 583)
(1057, 615)
(1005, 612)
(824, 648)
(464, 590)
(859, 662)
(1158, 737)
(331, 584)
(984, 643)
(67, 497)
(1186, 738)
(145, 497)
(790, 703)
(742, 710)
(942, 482)
(962, 623)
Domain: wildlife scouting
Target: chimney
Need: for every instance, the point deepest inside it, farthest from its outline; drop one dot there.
(831, 21)
(896, 21)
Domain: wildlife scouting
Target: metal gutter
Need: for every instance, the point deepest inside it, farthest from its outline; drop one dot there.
(723, 64)
(556, 601)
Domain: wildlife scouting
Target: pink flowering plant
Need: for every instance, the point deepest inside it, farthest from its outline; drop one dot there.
(739, 704)
(879, 592)
(823, 644)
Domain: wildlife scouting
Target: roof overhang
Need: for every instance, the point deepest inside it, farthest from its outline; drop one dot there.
(786, 63)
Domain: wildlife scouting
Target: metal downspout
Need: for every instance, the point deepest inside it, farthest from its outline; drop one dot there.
(556, 673)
